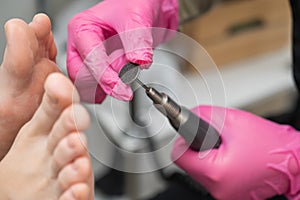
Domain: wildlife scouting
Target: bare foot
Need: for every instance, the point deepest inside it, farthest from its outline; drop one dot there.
(48, 159)
(29, 58)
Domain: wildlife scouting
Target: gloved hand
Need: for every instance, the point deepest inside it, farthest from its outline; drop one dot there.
(94, 61)
(256, 160)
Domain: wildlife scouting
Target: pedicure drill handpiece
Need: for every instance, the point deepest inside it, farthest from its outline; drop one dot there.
(197, 132)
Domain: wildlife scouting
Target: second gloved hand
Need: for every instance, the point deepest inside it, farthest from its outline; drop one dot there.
(257, 159)
(102, 39)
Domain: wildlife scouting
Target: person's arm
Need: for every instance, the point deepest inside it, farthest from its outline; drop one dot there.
(257, 158)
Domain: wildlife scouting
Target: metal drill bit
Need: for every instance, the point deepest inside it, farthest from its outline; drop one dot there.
(191, 127)
(142, 84)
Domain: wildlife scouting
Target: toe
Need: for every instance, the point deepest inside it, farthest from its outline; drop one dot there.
(26, 46)
(68, 149)
(20, 50)
(77, 172)
(79, 191)
(41, 25)
(73, 119)
(59, 94)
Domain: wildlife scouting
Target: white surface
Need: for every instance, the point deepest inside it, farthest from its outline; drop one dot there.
(248, 82)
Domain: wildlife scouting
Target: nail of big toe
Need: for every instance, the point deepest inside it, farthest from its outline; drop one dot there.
(73, 119)
(69, 148)
(76, 172)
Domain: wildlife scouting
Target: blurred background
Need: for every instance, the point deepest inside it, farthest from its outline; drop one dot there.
(249, 43)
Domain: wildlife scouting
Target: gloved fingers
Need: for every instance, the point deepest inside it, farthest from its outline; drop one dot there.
(133, 26)
(203, 161)
(113, 86)
(110, 81)
(117, 60)
(84, 81)
(139, 41)
(87, 86)
(100, 66)
(96, 52)
(80, 75)
(149, 24)
(213, 115)
(193, 162)
(138, 45)
(85, 48)
(85, 34)
(91, 94)
(88, 94)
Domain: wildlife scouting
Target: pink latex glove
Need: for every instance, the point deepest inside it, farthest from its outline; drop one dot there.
(94, 57)
(256, 160)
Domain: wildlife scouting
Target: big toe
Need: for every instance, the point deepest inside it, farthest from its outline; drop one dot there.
(59, 94)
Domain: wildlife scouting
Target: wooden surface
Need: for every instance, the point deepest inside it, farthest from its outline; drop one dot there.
(236, 30)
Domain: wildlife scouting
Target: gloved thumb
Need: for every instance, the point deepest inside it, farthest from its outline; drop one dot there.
(110, 81)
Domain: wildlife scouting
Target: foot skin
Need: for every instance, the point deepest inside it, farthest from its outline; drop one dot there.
(29, 58)
(49, 159)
